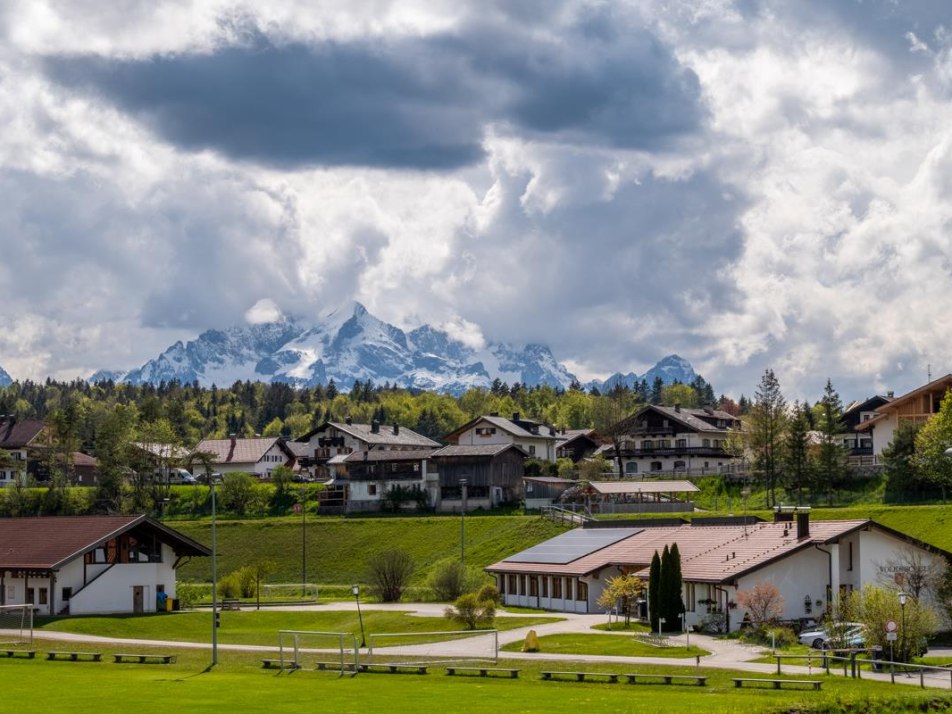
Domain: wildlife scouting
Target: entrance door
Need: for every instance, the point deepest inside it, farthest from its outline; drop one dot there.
(138, 600)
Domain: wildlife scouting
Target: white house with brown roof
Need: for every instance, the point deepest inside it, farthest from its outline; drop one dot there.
(677, 440)
(83, 565)
(916, 406)
(808, 562)
(259, 455)
(536, 439)
(17, 437)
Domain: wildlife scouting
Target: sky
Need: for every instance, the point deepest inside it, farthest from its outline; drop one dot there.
(749, 184)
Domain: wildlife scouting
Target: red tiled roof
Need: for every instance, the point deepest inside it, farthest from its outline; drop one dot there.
(47, 542)
(708, 553)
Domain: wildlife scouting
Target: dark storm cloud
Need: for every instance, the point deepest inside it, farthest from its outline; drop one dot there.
(412, 103)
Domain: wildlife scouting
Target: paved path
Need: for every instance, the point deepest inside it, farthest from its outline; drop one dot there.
(725, 653)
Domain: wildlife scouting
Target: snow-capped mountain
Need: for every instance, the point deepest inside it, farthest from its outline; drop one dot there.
(350, 344)
(671, 369)
(5, 378)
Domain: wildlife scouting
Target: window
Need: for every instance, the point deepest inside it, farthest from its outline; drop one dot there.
(511, 584)
(849, 565)
(647, 445)
(533, 586)
(557, 588)
(30, 596)
(531, 449)
(545, 586)
(689, 597)
(631, 467)
(706, 443)
(581, 590)
(485, 430)
(664, 443)
(371, 489)
(679, 466)
(681, 443)
(656, 466)
(44, 596)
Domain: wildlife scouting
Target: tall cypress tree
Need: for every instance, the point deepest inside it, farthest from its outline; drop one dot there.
(654, 591)
(673, 581)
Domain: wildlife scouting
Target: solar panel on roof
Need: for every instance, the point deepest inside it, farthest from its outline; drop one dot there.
(573, 545)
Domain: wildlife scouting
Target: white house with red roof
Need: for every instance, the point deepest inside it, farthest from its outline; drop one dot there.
(808, 562)
(83, 565)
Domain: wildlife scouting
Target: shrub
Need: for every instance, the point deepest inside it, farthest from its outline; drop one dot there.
(449, 579)
(239, 583)
(471, 612)
(188, 594)
(388, 573)
(489, 592)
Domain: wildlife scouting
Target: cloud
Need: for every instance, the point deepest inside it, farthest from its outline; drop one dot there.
(406, 102)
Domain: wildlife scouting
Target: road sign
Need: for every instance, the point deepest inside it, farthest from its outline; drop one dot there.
(891, 636)
(297, 508)
(891, 626)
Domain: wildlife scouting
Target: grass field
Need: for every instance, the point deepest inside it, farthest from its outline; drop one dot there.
(339, 549)
(261, 628)
(616, 645)
(239, 684)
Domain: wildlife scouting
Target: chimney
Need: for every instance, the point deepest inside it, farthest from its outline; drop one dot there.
(803, 523)
(348, 421)
(782, 514)
(890, 394)
(677, 406)
(396, 429)
(374, 427)
(515, 416)
(233, 438)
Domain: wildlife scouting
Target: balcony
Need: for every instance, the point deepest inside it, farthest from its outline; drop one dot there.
(711, 451)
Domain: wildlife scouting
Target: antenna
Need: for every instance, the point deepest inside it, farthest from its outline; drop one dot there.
(929, 372)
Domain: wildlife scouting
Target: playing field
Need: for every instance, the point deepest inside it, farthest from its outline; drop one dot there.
(239, 684)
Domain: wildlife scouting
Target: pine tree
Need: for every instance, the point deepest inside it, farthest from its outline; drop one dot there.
(797, 464)
(768, 423)
(833, 457)
(654, 591)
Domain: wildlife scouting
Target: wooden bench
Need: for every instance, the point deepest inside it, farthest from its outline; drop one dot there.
(582, 676)
(144, 658)
(394, 667)
(335, 666)
(28, 654)
(75, 656)
(278, 664)
(633, 677)
(485, 671)
(778, 683)
(230, 604)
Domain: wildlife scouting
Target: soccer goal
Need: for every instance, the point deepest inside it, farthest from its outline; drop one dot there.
(337, 651)
(16, 624)
(456, 647)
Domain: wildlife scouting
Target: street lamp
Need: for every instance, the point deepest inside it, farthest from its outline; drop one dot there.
(462, 524)
(356, 590)
(902, 606)
(211, 485)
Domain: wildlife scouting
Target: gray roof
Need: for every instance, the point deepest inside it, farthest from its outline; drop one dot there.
(384, 435)
(477, 450)
(692, 417)
(390, 455)
(516, 430)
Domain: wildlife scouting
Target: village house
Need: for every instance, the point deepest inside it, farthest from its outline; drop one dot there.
(488, 475)
(258, 456)
(809, 563)
(537, 440)
(83, 565)
(576, 444)
(368, 478)
(856, 438)
(916, 406)
(18, 437)
(675, 440)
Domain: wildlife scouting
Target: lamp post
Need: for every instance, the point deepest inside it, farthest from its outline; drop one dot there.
(211, 485)
(902, 606)
(356, 590)
(462, 524)
(303, 505)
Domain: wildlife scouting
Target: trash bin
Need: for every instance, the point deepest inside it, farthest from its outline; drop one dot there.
(169, 604)
(175, 604)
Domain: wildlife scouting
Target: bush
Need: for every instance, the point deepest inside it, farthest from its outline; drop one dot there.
(471, 612)
(779, 637)
(188, 594)
(239, 583)
(388, 573)
(449, 579)
(489, 592)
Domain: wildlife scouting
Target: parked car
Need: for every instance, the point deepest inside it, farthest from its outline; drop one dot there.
(845, 634)
(181, 476)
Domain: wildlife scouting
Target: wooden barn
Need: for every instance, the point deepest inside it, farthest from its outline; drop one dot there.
(493, 475)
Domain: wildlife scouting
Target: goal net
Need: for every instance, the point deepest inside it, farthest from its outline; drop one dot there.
(16, 624)
(336, 651)
(458, 646)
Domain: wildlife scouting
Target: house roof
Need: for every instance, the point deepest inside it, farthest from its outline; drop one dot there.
(18, 433)
(474, 450)
(691, 418)
(48, 542)
(162, 451)
(377, 455)
(620, 487)
(713, 554)
(384, 436)
(551, 480)
(237, 451)
(515, 427)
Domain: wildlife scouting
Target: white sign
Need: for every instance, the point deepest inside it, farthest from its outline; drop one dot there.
(891, 626)
(891, 636)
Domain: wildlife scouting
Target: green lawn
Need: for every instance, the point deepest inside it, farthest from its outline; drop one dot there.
(239, 684)
(261, 627)
(339, 549)
(621, 645)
